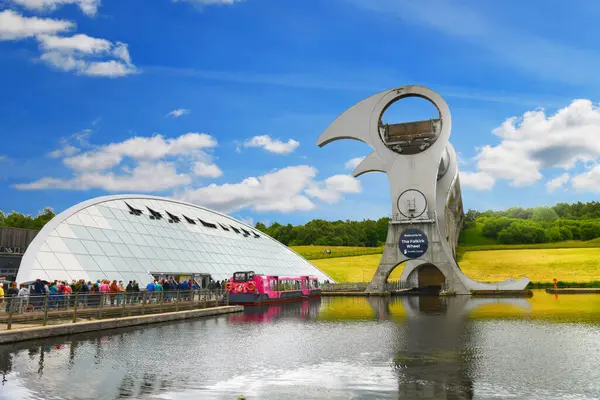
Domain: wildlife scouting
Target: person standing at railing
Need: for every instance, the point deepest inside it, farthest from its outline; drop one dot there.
(158, 290)
(23, 296)
(11, 295)
(114, 289)
(121, 296)
(2, 304)
(136, 291)
(84, 292)
(129, 292)
(53, 293)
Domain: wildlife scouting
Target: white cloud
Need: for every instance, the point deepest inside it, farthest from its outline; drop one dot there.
(145, 177)
(141, 148)
(557, 182)
(353, 163)
(272, 145)
(79, 53)
(66, 151)
(588, 181)
(476, 180)
(76, 43)
(14, 26)
(537, 142)
(178, 112)
(284, 190)
(205, 170)
(110, 69)
(88, 7)
(332, 189)
(145, 164)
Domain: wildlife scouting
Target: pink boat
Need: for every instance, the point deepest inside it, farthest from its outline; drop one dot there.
(247, 288)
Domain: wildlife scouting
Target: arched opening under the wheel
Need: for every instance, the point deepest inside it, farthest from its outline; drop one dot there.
(427, 277)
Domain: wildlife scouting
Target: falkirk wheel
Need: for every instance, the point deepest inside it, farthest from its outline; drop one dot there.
(422, 170)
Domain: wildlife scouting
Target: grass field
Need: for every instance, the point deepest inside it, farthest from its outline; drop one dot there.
(539, 265)
(318, 252)
(353, 269)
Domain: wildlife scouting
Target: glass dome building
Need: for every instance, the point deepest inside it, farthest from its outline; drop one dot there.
(136, 237)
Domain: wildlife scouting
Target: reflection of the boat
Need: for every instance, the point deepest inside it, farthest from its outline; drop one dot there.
(305, 309)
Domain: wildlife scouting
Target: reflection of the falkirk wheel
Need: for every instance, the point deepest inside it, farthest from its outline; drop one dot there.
(305, 309)
(455, 306)
(435, 355)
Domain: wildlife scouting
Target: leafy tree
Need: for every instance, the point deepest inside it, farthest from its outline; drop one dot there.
(544, 214)
(522, 231)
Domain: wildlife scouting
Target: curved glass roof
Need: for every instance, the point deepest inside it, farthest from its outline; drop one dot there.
(132, 237)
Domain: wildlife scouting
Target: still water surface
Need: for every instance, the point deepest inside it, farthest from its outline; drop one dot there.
(335, 348)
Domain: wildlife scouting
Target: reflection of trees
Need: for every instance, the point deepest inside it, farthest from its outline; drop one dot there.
(5, 362)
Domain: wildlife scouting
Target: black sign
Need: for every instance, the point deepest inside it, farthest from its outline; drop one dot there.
(413, 243)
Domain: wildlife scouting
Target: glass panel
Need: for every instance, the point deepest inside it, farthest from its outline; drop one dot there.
(104, 263)
(121, 264)
(135, 265)
(162, 243)
(151, 241)
(69, 262)
(137, 252)
(108, 249)
(81, 232)
(149, 252)
(161, 253)
(75, 246)
(116, 225)
(139, 239)
(74, 220)
(140, 228)
(48, 261)
(147, 265)
(128, 226)
(105, 211)
(98, 235)
(123, 250)
(170, 243)
(64, 230)
(113, 236)
(59, 275)
(57, 245)
(126, 237)
(92, 247)
(87, 219)
(101, 222)
(87, 262)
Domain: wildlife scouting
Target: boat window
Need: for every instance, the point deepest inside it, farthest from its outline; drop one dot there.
(273, 285)
(240, 277)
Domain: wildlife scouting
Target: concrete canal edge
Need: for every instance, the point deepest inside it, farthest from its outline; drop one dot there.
(19, 335)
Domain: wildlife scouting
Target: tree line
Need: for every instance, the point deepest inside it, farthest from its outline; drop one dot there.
(18, 220)
(516, 225)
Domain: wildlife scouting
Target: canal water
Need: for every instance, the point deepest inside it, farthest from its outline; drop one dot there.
(545, 347)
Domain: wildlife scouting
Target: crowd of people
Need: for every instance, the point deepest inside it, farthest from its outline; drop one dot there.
(62, 294)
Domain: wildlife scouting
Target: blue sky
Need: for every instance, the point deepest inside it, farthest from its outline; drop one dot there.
(220, 102)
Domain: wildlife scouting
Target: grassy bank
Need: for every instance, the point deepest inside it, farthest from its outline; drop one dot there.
(570, 265)
(318, 252)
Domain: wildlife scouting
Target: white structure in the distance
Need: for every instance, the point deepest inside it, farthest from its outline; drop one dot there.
(136, 237)
(422, 170)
